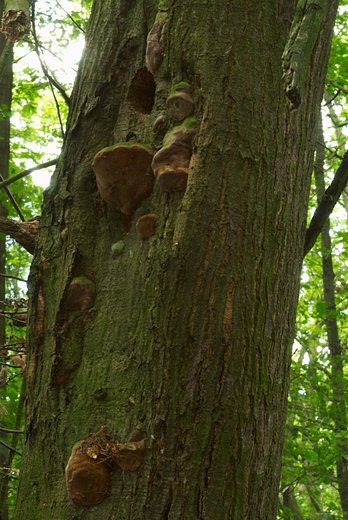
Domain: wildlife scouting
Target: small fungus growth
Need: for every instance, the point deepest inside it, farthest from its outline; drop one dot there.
(141, 94)
(180, 104)
(15, 24)
(117, 248)
(88, 476)
(154, 49)
(146, 226)
(171, 163)
(80, 295)
(124, 175)
(89, 470)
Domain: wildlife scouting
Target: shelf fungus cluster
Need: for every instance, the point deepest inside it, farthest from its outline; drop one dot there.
(124, 175)
(89, 470)
(171, 163)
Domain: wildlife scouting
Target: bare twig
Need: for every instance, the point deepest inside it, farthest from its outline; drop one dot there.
(71, 18)
(6, 430)
(44, 48)
(52, 82)
(13, 200)
(10, 447)
(14, 277)
(24, 173)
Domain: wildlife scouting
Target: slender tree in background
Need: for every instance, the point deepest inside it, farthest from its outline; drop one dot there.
(183, 337)
(6, 48)
(339, 416)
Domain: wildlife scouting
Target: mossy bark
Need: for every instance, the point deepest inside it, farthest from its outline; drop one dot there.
(190, 334)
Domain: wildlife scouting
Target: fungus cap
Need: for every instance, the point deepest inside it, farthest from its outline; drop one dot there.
(130, 455)
(180, 105)
(88, 481)
(146, 226)
(80, 294)
(124, 175)
(171, 163)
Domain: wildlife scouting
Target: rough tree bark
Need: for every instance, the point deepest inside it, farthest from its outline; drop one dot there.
(188, 335)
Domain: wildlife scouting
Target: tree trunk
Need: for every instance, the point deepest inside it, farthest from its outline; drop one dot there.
(5, 106)
(187, 335)
(290, 502)
(339, 415)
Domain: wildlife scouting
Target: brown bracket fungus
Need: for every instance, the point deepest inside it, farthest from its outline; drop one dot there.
(88, 481)
(180, 104)
(141, 94)
(146, 226)
(171, 163)
(89, 470)
(124, 175)
(154, 49)
(15, 24)
(130, 455)
(88, 475)
(80, 295)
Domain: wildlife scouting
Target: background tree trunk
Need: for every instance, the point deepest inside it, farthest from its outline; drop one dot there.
(338, 413)
(190, 334)
(5, 106)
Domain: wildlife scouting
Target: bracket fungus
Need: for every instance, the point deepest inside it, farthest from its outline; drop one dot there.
(180, 104)
(88, 473)
(146, 226)
(154, 49)
(15, 24)
(124, 175)
(171, 163)
(80, 295)
(141, 94)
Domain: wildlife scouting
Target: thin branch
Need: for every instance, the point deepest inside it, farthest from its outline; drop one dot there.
(52, 82)
(72, 19)
(331, 150)
(6, 430)
(337, 93)
(51, 79)
(13, 200)
(44, 48)
(327, 204)
(341, 89)
(14, 277)
(24, 173)
(10, 448)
